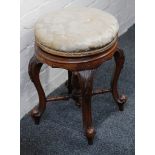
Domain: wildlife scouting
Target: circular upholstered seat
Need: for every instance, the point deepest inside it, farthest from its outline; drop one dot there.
(76, 31)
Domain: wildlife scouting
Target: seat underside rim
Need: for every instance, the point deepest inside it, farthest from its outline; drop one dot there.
(81, 53)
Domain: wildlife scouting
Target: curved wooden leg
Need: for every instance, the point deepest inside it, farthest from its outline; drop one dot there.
(86, 84)
(119, 60)
(34, 70)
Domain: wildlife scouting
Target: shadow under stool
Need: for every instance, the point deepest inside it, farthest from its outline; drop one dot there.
(78, 40)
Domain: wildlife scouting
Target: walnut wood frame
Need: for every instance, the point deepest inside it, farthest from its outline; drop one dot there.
(80, 81)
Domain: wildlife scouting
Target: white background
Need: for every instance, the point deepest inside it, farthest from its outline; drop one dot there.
(10, 80)
(123, 10)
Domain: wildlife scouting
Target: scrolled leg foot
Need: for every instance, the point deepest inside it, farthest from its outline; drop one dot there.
(90, 133)
(119, 61)
(36, 115)
(34, 70)
(121, 101)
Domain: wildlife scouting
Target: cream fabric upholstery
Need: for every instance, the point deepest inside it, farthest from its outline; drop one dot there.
(76, 29)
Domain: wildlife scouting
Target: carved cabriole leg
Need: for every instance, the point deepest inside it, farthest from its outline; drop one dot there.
(34, 70)
(86, 84)
(119, 60)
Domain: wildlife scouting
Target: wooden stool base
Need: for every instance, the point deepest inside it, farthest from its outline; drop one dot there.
(81, 72)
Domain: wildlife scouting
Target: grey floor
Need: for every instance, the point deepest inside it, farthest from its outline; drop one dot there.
(60, 131)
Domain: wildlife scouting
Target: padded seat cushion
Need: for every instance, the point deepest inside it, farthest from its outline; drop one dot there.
(75, 30)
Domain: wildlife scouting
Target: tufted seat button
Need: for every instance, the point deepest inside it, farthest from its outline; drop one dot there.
(76, 31)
